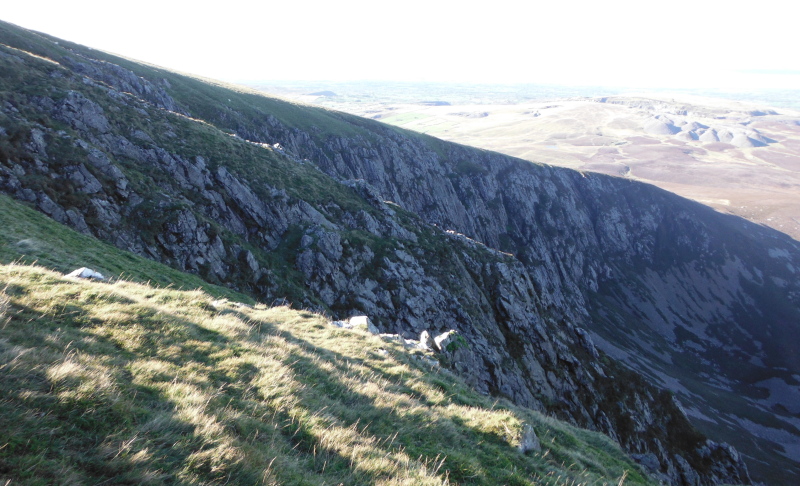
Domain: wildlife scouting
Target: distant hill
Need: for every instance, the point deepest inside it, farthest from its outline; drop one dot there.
(326, 93)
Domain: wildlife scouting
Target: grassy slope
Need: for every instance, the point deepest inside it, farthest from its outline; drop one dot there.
(211, 100)
(127, 383)
(28, 236)
(203, 95)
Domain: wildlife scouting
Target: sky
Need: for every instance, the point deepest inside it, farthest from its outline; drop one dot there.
(643, 44)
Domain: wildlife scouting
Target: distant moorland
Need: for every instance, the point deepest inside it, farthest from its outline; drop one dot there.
(740, 157)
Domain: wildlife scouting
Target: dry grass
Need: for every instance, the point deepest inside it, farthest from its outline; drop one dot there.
(123, 383)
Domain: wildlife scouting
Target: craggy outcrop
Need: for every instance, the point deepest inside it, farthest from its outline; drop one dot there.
(536, 267)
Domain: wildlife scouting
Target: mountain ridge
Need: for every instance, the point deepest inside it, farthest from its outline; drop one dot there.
(232, 222)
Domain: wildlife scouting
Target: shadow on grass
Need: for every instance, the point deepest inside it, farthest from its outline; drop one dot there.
(204, 417)
(125, 432)
(411, 427)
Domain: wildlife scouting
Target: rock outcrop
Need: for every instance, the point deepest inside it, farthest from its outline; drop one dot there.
(540, 266)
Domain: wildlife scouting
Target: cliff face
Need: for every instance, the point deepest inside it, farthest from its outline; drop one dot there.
(539, 263)
(704, 304)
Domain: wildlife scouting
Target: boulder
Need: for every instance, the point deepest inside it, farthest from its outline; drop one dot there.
(426, 341)
(342, 324)
(528, 440)
(447, 340)
(87, 273)
(363, 322)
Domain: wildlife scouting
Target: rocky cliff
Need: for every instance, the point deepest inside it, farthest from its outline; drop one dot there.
(532, 265)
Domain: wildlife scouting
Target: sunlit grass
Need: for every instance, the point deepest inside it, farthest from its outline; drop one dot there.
(124, 383)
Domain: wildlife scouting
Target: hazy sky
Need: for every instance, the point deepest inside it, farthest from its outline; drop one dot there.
(690, 44)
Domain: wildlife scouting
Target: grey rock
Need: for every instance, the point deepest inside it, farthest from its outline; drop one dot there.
(50, 208)
(363, 322)
(587, 343)
(84, 180)
(76, 221)
(38, 144)
(9, 182)
(648, 460)
(251, 261)
(342, 324)
(688, 476)
(86, 273)
(82, 114)
(443, 340)
(124, 81)
(426, 341)
(528, 440)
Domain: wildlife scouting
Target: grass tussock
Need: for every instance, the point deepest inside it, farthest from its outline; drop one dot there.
(126, 383)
